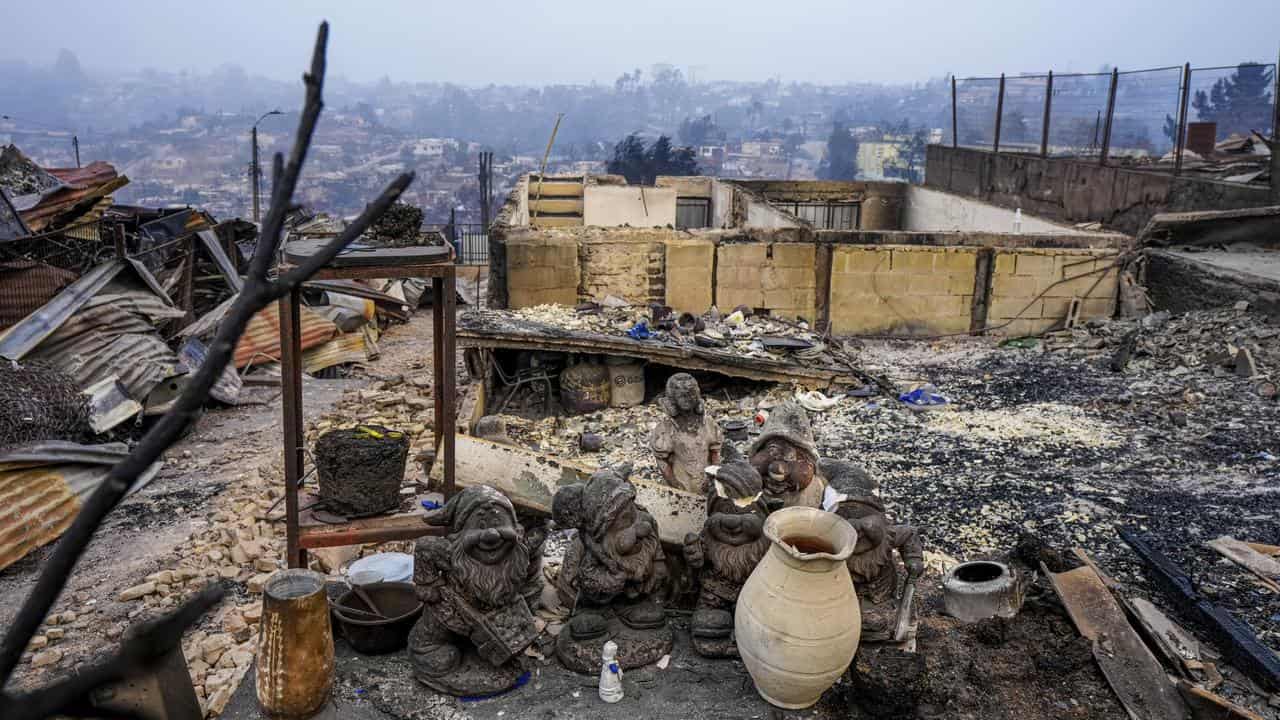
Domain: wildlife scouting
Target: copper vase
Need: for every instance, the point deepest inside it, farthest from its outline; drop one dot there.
(295, 646)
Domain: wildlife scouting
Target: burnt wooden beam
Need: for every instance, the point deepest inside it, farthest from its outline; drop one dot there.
(1237, 642)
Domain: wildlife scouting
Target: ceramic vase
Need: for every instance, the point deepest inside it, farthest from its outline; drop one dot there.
(797, 622)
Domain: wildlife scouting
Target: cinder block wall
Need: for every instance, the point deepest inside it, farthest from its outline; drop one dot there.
(629, 268)
(861, 288)
(901, 289)
(779, 277)
(541, 270)
(1018, 277)
(690, 269)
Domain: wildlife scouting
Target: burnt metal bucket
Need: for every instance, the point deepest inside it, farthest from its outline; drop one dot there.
(372, 636)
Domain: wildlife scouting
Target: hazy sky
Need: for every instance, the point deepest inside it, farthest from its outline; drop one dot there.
(545, 41)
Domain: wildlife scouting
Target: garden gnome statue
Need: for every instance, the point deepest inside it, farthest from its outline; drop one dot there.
(723, 555)
(475, 583)
(612, 574)
(686, 440)
(872, 565)
(787, 459)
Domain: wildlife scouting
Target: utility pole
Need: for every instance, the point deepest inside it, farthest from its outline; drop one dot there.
(75, 145)
(255, 169)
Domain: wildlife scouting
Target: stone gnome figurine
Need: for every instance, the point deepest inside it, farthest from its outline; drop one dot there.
(872, 565)
(787, 459)
(723, 555)
(686, 439)
(612, 574)
(477, 584)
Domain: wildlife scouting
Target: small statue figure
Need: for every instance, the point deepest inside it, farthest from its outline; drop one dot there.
(730, 545)
(872, 566)
(612, 573)
(687, 439)
(787, 459)
(478, 584)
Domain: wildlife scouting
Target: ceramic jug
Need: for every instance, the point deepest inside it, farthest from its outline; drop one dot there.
(797, 622)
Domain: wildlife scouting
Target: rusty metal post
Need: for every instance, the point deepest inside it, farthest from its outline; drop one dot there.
(1111, 112)
(255, 172)
(999, 115)
(955, 125)
(1180, 142)
(1048, 108)
(122, 249)
(448, 391)
(291, 379)
(437, 367)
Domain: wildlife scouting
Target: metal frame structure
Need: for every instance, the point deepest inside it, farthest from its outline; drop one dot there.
(300, 537)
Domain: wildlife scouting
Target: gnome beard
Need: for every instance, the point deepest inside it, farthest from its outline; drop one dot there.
(630, 555)
(735, 562)
(492, 584)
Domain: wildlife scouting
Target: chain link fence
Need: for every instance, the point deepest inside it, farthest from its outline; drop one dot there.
(1134, 118)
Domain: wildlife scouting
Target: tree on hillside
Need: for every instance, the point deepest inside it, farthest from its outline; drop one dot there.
(642, 165)
(701, 131)
(840, 162)
(1239, 102)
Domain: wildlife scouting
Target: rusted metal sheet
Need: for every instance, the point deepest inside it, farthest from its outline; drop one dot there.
(346, 348)
(81, 189)
(28, 285)
(42, 487)
(1136, 676)
(261, 340)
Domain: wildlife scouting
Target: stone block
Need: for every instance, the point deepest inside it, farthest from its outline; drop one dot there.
(1035, 264)
(751, 255)
(1015, 307)
(956, 260)
(797, 255)
(848, 259)
(1005, 262)
(1025, 286)
(959, 283)
(913, 260)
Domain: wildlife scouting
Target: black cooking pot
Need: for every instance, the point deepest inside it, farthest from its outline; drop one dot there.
(373, 636)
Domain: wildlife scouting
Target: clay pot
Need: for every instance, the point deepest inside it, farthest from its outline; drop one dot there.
(797, 623)
(295, 645)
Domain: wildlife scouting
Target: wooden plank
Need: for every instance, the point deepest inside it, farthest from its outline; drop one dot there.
(1208, 706)
(1233, 638)
(530, 480)
(1266, 568)
(1178, 646)
(1134, 673)
(1272, 550)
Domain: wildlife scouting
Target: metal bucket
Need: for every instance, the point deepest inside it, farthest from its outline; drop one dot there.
(295, 646)
(584, 388)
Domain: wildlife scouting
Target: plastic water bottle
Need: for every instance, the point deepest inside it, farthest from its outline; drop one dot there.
(1017, 222)
(610, 674)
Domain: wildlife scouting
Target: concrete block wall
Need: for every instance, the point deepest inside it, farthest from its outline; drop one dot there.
(779, 277)
(541, 270)
(901, 289)
(1020, 277)
(690, 264)
(630, 268)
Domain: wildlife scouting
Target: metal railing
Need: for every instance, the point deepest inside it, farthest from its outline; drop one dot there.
(469, 240)
(1139, 117)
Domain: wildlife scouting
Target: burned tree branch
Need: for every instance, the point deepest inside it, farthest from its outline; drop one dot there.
(259, 291)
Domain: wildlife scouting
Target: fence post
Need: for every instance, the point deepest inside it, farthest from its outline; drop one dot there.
(1181, 140)
(1048, 107)
(1111, 111)
(999, 115)
(955, 126)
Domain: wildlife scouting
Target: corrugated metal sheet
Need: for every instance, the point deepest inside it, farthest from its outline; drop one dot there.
(20, 339)
(346, 348)
(261, 340)
(42, 487)
(81, 188)
(26, 286)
